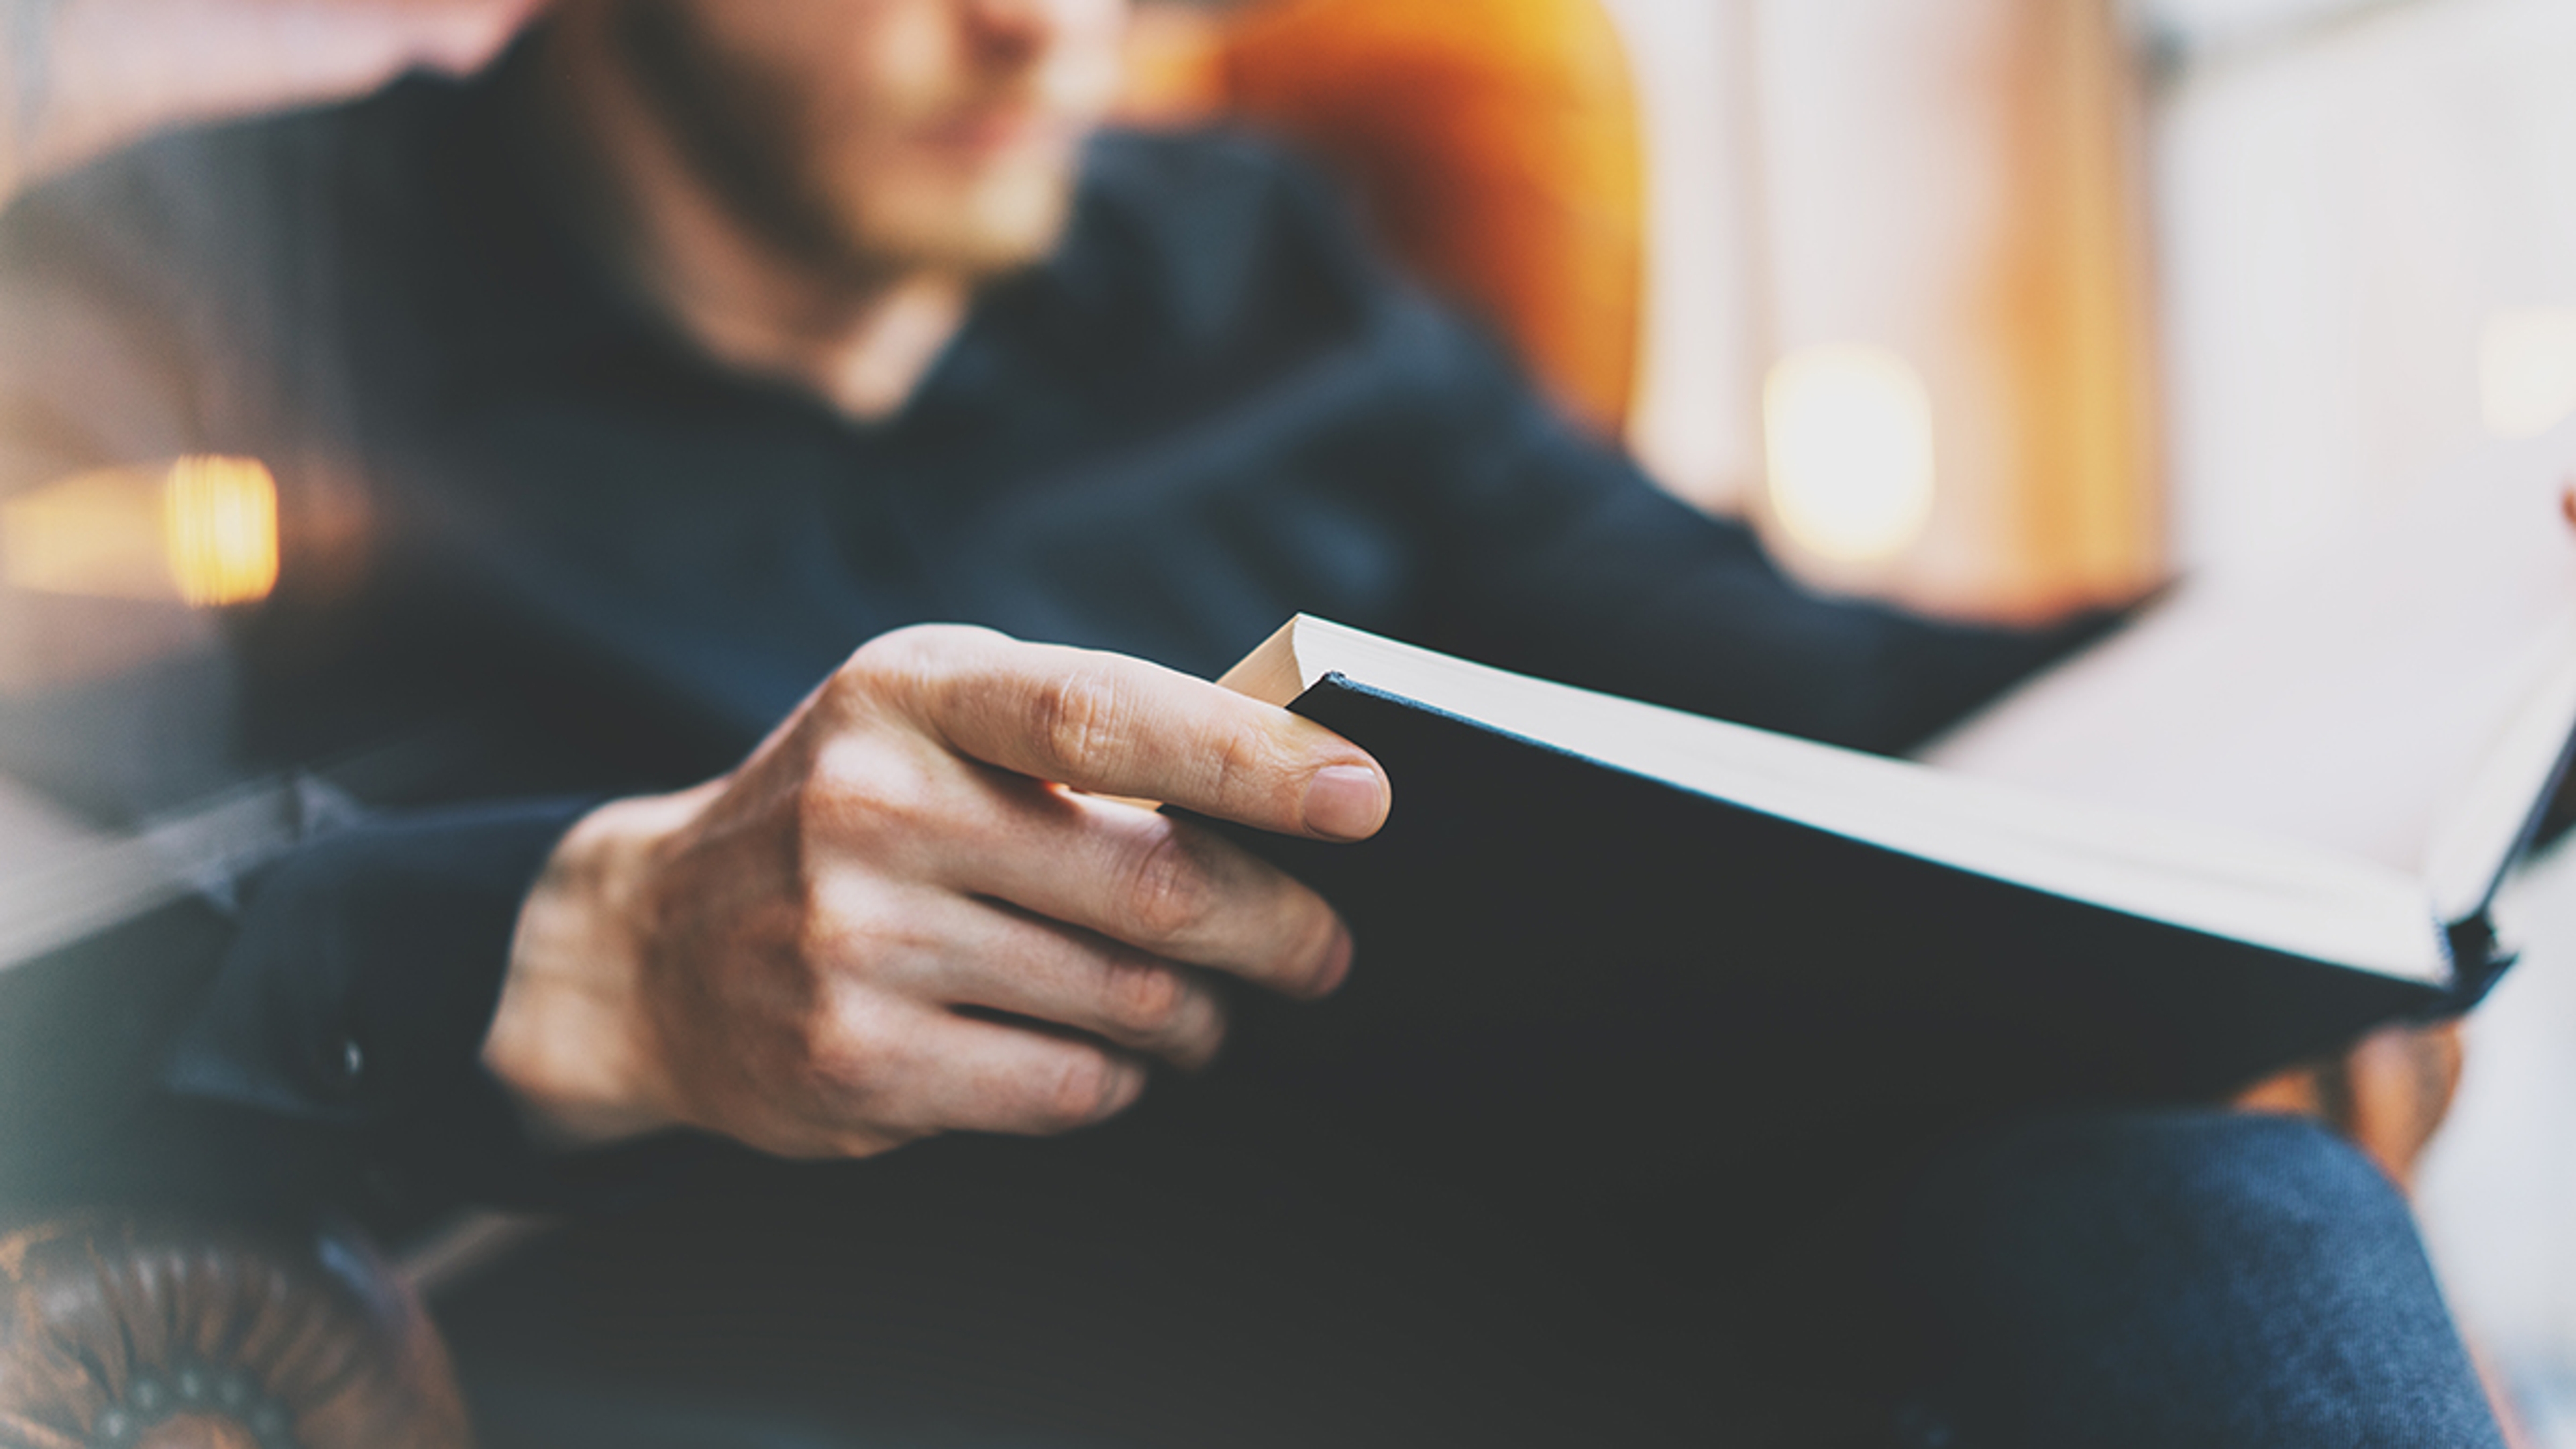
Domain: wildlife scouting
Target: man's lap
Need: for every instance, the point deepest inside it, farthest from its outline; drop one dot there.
(1213, 1273)
(2182, 1278)
(1170, 1280)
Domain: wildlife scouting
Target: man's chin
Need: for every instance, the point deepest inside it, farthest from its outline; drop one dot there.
(991, 231)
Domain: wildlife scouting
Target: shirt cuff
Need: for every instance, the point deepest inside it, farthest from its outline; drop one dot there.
(367, 965)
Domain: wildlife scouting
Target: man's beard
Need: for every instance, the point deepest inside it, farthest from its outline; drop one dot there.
(751, 139)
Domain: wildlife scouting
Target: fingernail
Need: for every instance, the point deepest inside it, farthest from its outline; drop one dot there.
(1345, 802)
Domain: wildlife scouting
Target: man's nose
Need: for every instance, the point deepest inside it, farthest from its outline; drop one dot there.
(1034, 25)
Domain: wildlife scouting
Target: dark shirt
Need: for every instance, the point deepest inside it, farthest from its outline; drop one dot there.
(515, 501)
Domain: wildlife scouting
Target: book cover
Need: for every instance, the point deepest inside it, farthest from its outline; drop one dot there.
(1532, 910)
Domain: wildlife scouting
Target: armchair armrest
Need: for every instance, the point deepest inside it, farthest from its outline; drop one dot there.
(151, 1332)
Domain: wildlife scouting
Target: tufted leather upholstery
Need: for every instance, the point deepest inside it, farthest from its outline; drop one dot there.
(1495, 147)
(147, 1334)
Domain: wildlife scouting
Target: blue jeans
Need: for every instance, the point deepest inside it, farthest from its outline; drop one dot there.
(2176, 1278)
(2109, 1279)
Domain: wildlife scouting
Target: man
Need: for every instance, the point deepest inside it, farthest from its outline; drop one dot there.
(677, 375)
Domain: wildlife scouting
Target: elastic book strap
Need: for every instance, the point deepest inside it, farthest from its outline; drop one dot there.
(2478, 961)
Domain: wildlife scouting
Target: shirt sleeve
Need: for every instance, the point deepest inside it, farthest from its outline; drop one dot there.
(1560, 558)
(362, 976)
(337, 996)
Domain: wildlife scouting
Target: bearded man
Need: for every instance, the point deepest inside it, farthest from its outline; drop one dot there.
(694, 413)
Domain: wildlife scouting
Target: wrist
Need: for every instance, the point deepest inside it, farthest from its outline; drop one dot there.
(572, 1039)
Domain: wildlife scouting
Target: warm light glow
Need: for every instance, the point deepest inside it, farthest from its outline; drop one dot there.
(2527, 370)
(96, 533)
(1848, 433)
(221, 529)
(201, 530)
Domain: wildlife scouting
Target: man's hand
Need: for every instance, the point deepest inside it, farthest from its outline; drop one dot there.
(903, 916)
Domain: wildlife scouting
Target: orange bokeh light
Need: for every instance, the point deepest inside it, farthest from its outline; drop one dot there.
(201, 530)
(219, 529)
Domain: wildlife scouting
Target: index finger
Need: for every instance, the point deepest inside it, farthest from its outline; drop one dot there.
(1120, 726)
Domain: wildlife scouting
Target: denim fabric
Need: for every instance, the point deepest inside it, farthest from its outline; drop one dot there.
(2175, 1279)
(2178, 1278)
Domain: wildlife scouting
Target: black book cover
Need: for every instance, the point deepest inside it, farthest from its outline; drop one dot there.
(1544, 940)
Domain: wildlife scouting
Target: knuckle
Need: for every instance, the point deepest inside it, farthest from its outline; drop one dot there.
(1074, 719)
(835, 779)
(866, 674)
(1168, 892)
(901, 663)
(1242, 764)
(1084, 1087)
(897, 653)
(857, 791)
(1146, 1001)
(857, 944)
(839, 1056)
(823, 937)
(1325, 954)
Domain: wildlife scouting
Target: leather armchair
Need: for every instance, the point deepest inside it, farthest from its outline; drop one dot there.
(1496, 149)
(128, 1332)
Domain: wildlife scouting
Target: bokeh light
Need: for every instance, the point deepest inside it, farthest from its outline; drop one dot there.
(1848, 437)
(220, 522)
(201, 530)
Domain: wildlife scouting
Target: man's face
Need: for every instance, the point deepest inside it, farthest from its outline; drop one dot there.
(871, 135)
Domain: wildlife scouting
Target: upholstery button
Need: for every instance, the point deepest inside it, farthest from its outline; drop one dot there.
(344, 1069)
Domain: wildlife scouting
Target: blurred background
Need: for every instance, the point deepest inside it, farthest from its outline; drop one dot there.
(1994, 306)
(2179, 285)
(2179, 279)
(2002, 304)
(2186, 283)
(2281, 262)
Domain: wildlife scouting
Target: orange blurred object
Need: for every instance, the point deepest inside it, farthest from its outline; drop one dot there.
(1495, 147)
(1175, 66)
(220, 530)
(200, 530)
(2389, 1093)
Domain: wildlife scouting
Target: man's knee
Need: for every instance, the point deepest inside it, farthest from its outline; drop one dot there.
(2179, 1276)
(2202, 1181)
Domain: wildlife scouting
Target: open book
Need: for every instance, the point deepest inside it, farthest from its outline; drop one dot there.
(2279, 895)
(1847, 912)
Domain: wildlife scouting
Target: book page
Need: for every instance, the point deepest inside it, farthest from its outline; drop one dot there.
(2474, 842)
(2322, 904)
(2344, 700)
